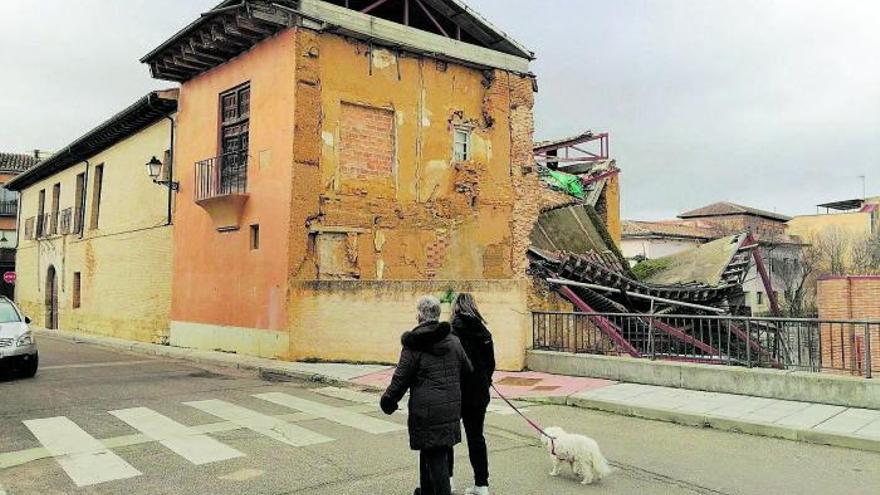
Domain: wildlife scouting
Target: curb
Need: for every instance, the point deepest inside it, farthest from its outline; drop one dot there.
(267, 369)
(722, 424)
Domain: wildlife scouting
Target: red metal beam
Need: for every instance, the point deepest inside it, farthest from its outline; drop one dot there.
(608, 328)
(765, 277)
(597, 178)
(369, 8)
(433, 19)
(680, 335)
(741, 334)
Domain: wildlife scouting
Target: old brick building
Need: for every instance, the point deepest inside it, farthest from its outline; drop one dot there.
(339, 159)
(849, 298)
(730, 217)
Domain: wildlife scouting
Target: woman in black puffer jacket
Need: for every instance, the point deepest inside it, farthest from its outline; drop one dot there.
(432, 365)
(470, 328)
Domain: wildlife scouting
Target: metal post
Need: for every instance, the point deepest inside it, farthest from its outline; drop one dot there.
(868, 362)
(748, 343)
(728, 343)
(651, 333)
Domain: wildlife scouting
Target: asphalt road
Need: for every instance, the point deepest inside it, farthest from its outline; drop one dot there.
(96, 421)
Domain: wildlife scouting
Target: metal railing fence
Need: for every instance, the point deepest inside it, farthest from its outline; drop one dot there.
(222, 175)
(843, 346)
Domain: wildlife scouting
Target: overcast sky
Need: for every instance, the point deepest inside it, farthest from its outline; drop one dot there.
(769, 103)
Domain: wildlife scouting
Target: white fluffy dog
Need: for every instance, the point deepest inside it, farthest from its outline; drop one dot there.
(580, 452)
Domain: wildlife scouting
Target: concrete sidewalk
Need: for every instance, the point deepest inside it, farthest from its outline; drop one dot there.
(799, 421)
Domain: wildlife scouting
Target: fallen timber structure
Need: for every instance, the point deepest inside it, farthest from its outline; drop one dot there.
(573, 255)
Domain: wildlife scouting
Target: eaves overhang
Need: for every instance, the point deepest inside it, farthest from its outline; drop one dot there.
(233, 28)
(141, 114)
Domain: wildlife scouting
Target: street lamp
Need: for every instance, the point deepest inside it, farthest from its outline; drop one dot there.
(154, 169)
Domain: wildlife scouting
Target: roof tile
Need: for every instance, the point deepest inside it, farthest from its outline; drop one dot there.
(17, 162)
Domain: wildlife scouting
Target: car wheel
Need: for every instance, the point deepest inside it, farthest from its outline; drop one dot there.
(29, 369)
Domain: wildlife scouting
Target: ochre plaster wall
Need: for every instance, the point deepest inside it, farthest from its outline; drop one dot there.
(219, 279)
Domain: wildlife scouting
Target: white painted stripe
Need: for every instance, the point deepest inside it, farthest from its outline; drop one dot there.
(358, 397)
(495, 407)
(101, 365)
(180, 439)
(266, 425)
(83, 457)
(335, 414)
(349, 395)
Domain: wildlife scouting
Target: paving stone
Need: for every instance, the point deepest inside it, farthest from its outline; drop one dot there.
(812, 415)
(849, 421)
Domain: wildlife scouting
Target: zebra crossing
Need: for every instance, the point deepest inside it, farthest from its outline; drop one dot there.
(366, 398)
(91, 461)
(88, 460)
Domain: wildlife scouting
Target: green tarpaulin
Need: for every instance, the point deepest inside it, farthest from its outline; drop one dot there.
(567, 183)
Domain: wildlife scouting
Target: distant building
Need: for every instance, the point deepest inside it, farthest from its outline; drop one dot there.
(650, 240)
(854, 218)
(95, 251)
(731, 217)
(779, 251)
(11, 165)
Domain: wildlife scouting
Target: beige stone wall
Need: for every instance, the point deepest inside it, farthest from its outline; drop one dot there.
(363, 321)
(125, 263)
(853, 225)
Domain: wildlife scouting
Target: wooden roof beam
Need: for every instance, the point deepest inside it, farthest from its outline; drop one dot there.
(248, 26)
(192, 50)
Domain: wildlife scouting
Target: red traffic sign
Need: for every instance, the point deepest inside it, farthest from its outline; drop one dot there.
(9, 277)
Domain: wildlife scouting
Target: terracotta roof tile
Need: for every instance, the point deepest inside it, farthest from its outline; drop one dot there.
(17, 162)
(667, 229)
(725, 208)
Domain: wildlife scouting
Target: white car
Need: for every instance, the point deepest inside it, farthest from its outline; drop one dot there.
(18, 347)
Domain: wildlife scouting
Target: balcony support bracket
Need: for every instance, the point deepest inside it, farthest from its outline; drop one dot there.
(225, 210)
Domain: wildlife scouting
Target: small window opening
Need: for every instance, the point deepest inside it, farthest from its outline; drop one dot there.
(461, 144)
(255, 237)
(77, 294)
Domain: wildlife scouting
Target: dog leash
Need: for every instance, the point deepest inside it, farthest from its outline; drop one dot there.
(529, 421)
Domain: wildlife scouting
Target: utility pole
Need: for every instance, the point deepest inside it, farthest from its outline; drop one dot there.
(864, 186)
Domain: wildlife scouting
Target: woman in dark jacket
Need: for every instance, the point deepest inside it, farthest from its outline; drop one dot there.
(470, 327)
(431, 366)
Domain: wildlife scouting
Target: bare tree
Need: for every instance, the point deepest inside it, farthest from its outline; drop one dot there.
(834, 246)
(797, 278)
(866, 256)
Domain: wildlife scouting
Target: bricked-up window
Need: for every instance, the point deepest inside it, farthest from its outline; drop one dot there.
(56, 205)
(77, 289)
(79, 203)
(461, 144)
(235, 110)
(41, 217)
(255, 237)
(97, 185)
(29, 228)
(366, 142)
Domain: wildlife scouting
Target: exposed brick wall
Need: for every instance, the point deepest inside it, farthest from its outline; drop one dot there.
(306, 150)
(849, 298)
(366, 141)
